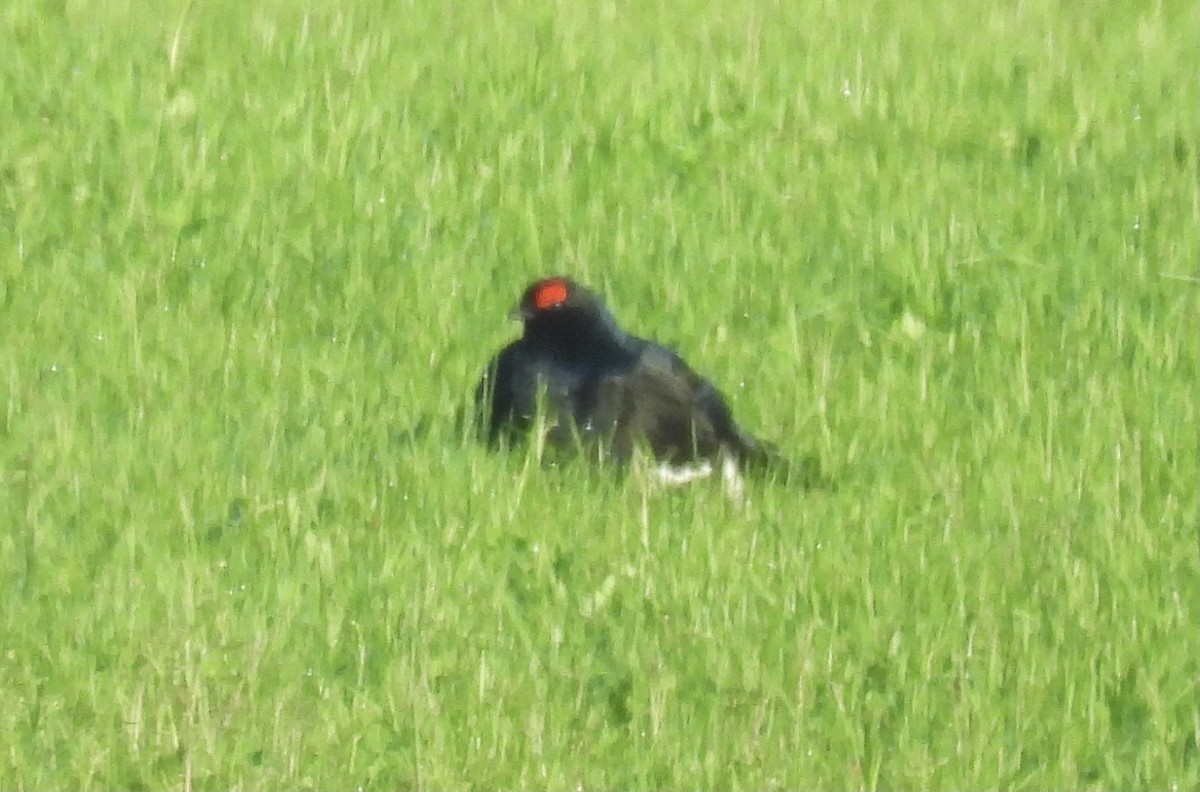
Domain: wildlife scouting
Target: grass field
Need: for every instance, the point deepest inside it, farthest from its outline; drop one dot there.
(253, 259)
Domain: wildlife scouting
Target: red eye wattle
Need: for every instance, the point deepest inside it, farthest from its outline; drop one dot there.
(550, 294)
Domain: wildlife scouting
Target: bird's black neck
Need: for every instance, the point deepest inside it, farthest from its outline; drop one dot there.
(578, 338)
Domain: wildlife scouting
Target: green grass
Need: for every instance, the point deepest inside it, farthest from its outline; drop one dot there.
(245, 250)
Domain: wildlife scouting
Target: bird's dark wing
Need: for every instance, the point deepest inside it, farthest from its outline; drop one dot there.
(712, 411)
(498, 404)
(654, 405)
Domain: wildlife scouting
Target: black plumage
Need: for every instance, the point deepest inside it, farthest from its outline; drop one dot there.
(597, 384)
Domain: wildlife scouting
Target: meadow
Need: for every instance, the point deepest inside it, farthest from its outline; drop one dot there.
(254, 256)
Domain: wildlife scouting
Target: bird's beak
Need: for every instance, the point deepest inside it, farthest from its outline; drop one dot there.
(517, 314)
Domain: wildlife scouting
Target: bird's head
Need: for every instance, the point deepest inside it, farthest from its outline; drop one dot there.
(556, 297)
(562, 313)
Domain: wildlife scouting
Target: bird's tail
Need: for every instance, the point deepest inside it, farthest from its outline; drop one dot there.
(763, 458)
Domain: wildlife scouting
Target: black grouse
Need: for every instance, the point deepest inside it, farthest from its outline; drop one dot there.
(596, 383)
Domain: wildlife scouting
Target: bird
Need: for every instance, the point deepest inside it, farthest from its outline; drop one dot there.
(595, 385)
